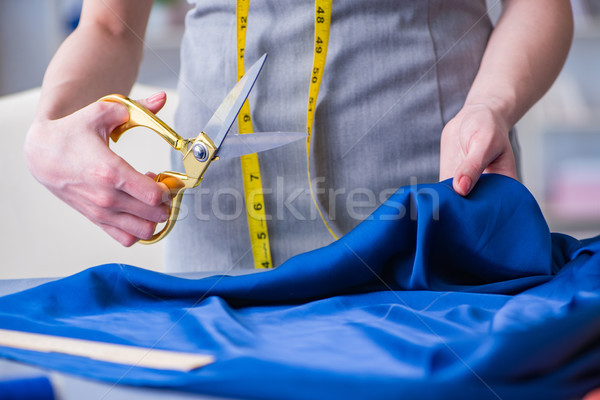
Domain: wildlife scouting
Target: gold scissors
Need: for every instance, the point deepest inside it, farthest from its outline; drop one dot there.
(212, 142)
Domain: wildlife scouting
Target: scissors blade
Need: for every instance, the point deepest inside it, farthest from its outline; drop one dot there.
(236, 145)
(219, 124)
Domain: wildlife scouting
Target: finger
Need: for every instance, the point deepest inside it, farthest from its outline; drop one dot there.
(463, 183)
(125, 213)
(449, 150)
(128, 228)
(114, 185)
(139, 186)
(120, 236)
(468, 174)
(478, 156)
(155, 102)
(124, 203)
(109, 190)
(503, 165)
(104, 116)
(165, 187)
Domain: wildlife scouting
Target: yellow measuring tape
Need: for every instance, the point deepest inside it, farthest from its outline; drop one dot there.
(255, 209)
(322, 25)
(253, 192)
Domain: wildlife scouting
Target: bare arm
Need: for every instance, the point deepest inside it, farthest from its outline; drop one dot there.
(101, 56)
(67, 145)
(525, 54)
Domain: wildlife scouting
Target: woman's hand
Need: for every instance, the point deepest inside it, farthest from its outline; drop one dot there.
(71, 157)
(473, 142)
(524, 55)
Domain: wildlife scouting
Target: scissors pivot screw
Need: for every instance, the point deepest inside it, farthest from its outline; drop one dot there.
(200, 152)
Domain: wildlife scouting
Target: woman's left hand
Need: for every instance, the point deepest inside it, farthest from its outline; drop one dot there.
(473, 142)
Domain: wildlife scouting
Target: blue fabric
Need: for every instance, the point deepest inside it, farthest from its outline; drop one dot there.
(30, 388)
(433, 296)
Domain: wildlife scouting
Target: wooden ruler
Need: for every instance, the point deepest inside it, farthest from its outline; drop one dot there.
(108, 352)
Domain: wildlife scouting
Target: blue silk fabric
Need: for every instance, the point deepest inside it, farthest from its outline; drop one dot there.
(433, 296)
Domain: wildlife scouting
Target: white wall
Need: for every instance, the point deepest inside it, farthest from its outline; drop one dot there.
(30, 32)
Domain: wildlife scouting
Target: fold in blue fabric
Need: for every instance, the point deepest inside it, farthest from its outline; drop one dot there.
(433, 296)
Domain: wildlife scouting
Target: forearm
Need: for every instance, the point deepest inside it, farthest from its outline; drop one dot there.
(101, 68)
(525, 54)
(99, 57)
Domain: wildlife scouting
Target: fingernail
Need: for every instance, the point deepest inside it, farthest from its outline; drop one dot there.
(155, 98)
(465, 185)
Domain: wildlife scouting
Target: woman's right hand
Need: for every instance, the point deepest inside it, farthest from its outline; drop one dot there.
(71, 157)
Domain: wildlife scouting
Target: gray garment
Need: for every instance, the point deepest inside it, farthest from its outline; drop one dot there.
(396, 73)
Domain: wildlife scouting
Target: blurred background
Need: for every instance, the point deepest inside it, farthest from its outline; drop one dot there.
(41, 236)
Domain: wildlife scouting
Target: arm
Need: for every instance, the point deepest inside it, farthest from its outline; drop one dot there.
(66, 148)
(525, 54)
(101, 56)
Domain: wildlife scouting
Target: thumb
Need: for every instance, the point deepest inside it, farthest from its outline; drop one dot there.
(464, 180)
(155, 102)
(467, 173)
(106, 116)
(102, 116)
(479, 161)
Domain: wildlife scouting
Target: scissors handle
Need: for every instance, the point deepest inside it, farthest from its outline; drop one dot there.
(176, 182)
(141, 116)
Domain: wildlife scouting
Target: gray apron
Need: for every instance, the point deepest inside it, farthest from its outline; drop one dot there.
(396, 73)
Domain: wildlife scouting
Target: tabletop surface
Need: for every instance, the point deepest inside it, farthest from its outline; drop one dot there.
(75, 388)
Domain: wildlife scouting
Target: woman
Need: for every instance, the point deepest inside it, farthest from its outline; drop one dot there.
(412, 92)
